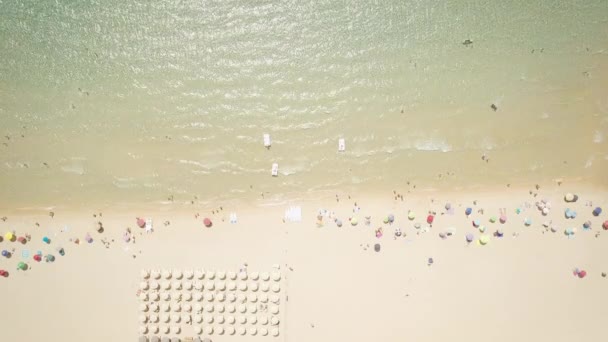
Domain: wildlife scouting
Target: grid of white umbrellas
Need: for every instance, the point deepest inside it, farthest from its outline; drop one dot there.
(173, 302)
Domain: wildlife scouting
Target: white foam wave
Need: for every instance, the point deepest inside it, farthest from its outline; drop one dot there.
(432, 145)
(598, 137)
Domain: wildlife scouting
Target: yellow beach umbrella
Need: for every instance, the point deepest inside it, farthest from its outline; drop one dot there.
(9, 236)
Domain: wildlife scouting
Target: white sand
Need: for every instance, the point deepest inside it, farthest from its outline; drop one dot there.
(515, 288)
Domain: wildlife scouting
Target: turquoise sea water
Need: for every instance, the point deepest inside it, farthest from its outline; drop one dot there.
(135, 101)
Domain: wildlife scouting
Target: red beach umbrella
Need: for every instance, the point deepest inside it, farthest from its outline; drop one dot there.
(207, 222)
(3, 273)
(582, 274)
(141, 223)
(605, 225)
(37, 257)
(22, 240)
(429, 219)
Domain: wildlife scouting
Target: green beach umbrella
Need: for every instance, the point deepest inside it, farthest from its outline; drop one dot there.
(22, 266)
(484, 239)
(49, 258)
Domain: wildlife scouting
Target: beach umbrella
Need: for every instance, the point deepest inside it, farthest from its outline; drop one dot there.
(46, 240)
(188, 274)
(429, 219)
(338, 222)
(448, 206)
(6, 253)
(391, 218)
(411, 215)
(468, 211)
(143, 338)
(276, 276)
(143, 330)
(276, 288)
(263, 320)
(9, 236)
(22, 240)
(144, 274)
(484, 239)
(385, 220)
(143, 318)
(469, 237)
(528, 221)
(377, 247)
(605, 225)
(155, 274)
(3, 273)
(37, 257)
(499, 233)
(22, 266)
(587, 225)
(60, 250)
(274, 320)
(49, 258)
(476, 223)
(263, 331)
(252, 331)
(274, 299)
(207, 222)
(597, 211)
(143, 285)
(354, 221)
(275, 332)
(582, 274)
(88, 238)
(177, 274)
(141, 223)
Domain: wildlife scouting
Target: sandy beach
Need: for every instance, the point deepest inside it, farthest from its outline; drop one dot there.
(335, 286)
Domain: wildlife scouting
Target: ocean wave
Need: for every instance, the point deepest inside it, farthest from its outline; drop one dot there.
(432, 145)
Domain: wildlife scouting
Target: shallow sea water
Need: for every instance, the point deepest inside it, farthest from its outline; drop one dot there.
(133, 102)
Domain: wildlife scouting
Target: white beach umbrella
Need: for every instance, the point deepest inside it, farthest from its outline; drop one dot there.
(220, 330)
(155, 296)
(166, 307)
(143, 329)
(263, 331)
(199, 274)
(274, 309)
(230, 320)
(198, 330)
(176, 307)
(175, 318)
(252, 298)
(198, 285)
(253, 331)
(253, 319)
(231, 286)
(188, 274)
(221, 275)
(208, 319)
(154, 329)
(177, 285)
(166, 274)
(231, 275)
(186, 318)
(275, 332)
(210, 275)
(165, 318)
(276, 287)
(209, 330)
(164, 329)
(219, 307)
(219, 319)
(220, 285)
(209, 297)
(252, 308)
(264, 276)
(253, 286)
(166, 285)
(198, 308)
(275, 299)
(265, 287)
(242, 330)
(188, 285)
(144, 285)
(177, 274)
(263, 320)
(274, 320)
(154, 307)
(198, 318)
(210, 285)
(276, 276)
(220, 297)
(263, 298)
(198, 296)
(154, 285)
(254, 275)
(242, 319)
(231, 297)
(243, 275)
(143, 318)
(143, 296)
(177, 295)
(241, 297)
(145, 274)
(176, 329)
(209, 307)
(243, 286)
(187, 296)
(154, 318)
(166, 296)
(155, 274)
(230, 308)
(143, 307)
(242, 308)
(186, 307)
(230, 330)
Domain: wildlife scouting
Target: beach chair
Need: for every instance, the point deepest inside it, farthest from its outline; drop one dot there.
(275, 170)
(148, 226)
(341, 145)
(233, 218)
